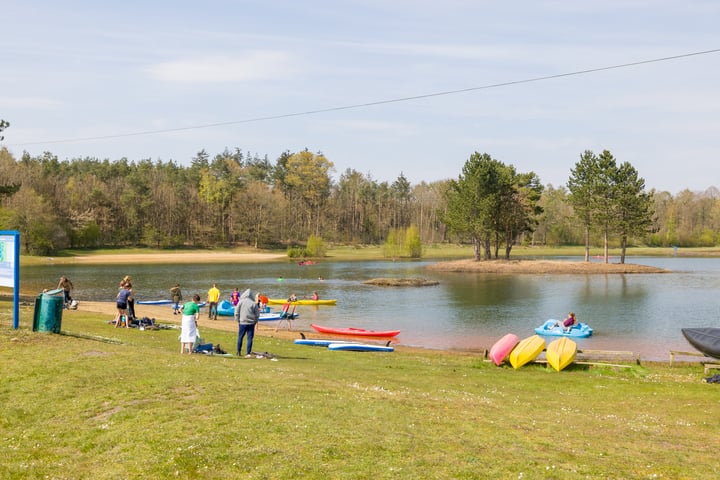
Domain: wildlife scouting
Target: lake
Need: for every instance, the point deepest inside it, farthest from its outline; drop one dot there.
(638, 312)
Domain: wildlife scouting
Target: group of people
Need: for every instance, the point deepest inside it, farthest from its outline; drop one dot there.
(247, 307)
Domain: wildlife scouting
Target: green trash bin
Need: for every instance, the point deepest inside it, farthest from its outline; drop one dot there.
(47, 316)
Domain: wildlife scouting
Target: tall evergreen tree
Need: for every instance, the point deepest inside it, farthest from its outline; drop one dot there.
(634, 205)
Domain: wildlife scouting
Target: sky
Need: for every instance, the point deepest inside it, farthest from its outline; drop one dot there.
(381, 87)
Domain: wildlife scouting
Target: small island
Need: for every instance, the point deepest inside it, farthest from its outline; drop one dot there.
(401, 282)
(541, 267)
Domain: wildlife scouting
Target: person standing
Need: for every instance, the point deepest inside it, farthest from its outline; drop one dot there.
(235, 297)
(246, 314)
(176, 298)
(126, 282)
(188, 327)
(67, 286)
(123, 297)
(262, 301)
(213, 297)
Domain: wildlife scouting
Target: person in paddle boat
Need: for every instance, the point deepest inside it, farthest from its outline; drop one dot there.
(569, 322)
(292, 298)
(247, 315)
(315, 296)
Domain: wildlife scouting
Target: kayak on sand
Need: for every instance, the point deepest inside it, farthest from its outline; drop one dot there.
(502, 348)
(526, 351)
(560, 353)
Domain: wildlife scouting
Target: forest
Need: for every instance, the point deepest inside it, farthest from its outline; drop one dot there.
(234, 198)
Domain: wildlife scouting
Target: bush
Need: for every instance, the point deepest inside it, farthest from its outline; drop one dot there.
(315, 247)
(296, 252)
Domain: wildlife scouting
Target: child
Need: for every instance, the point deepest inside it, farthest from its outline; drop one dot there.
(569, 322)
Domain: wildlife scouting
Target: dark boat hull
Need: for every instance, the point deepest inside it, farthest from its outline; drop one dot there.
(706, 340)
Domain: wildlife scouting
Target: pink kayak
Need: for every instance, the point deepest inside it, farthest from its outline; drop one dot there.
(356, 331)
(502, 348)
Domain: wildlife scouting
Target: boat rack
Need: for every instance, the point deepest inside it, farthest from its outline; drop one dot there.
(677, 353)
(615, 356)
(708, 363)
(598, 358)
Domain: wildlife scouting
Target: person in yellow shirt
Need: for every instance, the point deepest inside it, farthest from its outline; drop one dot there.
(213, 297)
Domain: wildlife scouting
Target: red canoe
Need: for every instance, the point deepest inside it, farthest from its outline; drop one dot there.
(356, 331)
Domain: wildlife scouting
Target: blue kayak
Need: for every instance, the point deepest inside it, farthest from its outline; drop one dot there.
(550, 328)
(359, 347)
(154, 302)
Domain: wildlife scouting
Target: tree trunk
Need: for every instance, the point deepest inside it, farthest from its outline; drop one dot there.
(623, 247)
(486, 242)
(605, 247)
(587, 243)
(476, 248)
(508, 244)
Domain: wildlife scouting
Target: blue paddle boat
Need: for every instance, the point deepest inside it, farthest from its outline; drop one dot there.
(554, 328)
(226, 309)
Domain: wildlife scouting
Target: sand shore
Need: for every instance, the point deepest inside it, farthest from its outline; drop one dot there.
(177, 257)
(163, 314)
(541, 267)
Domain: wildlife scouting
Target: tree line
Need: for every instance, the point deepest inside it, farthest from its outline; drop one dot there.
(238, 198)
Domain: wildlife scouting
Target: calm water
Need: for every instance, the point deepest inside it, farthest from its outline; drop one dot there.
(642, 313)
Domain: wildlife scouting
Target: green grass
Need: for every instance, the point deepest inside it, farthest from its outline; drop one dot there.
(133, 407)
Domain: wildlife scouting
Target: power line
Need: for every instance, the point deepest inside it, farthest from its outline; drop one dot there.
(378, 102)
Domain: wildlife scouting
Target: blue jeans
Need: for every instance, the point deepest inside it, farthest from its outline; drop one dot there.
(212, 311)
(243, 330)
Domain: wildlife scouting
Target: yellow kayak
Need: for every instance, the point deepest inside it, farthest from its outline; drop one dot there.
(561, 353)
(301, 301)
(526, 351)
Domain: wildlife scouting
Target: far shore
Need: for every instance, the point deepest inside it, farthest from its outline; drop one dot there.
(174, 257)
(541, 267)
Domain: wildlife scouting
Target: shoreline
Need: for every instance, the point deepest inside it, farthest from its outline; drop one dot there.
(175, 257)
(541, 267)
(163, 314)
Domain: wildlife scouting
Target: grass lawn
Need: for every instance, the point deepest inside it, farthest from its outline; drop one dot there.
(107, 403)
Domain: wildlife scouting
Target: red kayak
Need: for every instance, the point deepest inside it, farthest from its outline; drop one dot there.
(356, 331)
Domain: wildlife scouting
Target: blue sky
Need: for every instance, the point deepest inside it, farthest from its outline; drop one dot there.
(101, 70)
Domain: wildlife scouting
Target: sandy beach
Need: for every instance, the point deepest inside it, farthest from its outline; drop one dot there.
(163, 314)
(178, 257)
(541, 267)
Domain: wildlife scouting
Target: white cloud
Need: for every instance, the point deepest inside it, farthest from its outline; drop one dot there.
(259, 65)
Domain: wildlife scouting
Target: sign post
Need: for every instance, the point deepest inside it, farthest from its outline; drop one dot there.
(10, 268)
